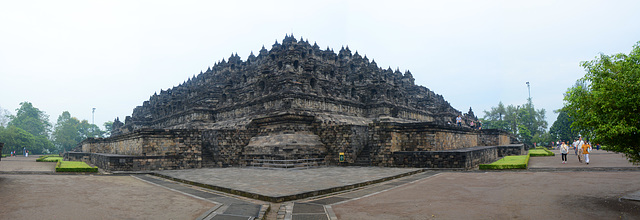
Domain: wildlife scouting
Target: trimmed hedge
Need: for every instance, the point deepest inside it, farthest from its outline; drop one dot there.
(49, 158)
(540, 153)
(74, 166)
(508, 162)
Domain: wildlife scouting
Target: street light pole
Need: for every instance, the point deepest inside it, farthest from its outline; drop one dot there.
(529, 88)
(93, 111)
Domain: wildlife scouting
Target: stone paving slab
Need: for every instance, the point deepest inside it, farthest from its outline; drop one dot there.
(38, 196)
(291, 184)
(230, 208)
(27, 165)
(598, 159)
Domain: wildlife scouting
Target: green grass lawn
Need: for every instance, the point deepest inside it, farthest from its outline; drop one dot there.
(508, 162)
(74, 166)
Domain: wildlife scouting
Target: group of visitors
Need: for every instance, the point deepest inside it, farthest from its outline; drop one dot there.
(472, 124)
(24, 151)
(581, 148)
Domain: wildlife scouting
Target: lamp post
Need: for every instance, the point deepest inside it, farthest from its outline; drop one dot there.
(529, 88)
(93, 111)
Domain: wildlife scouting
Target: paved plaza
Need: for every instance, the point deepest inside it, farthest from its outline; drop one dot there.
(607, 188)
(286, 182)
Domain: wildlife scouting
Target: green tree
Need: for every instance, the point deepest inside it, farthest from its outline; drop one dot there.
(561, 128)
(89, 130)
(604, 104)
(31, 119)
(524, 121)
(65, 133)
(108, 127)
(15, 138)
(34, 122)
(494, 119)
(69, 131)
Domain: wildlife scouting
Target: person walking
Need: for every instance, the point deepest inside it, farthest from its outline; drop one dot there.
(586, 149)
(574, 146)
(579, 145)
(564, 149)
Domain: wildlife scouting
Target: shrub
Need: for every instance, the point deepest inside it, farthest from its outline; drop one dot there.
(540, 153)
(508, 162)
(49, 158)
(74, 166)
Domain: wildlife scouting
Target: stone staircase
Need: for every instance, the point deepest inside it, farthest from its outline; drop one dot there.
(364, 157)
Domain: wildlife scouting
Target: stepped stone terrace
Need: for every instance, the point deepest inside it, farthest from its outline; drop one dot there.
(297, 103)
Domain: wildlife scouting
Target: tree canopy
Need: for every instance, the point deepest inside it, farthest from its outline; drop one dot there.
(524, 121)
(69, 131)
(31, 119)
(28, 129)
(605, 103)
(561, 128)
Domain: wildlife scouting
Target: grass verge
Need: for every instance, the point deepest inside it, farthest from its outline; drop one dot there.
(508, 162)
(74, 166)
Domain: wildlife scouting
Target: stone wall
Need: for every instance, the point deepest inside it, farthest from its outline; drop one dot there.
(298, 136)
(144, 150)
(115, 162)
(390, 137)
(348, 139)
(223, 148)
(466, 158)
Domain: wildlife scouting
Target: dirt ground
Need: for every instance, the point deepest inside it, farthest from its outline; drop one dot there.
(92, 197)
(503, 195)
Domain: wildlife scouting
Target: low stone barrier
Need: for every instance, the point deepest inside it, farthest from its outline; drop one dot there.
(116, 162)
(466, 158)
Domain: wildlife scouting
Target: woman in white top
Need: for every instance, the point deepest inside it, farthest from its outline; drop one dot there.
(564, 149)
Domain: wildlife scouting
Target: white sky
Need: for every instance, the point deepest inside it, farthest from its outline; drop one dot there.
(113, 55)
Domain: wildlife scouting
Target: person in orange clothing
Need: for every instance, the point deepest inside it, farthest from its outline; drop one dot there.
(586, 149)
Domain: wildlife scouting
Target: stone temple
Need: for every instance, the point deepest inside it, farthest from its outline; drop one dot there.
(295, 103)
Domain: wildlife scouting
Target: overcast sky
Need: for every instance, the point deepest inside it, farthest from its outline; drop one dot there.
(113, 55)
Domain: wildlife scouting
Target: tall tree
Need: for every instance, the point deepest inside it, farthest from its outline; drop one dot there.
(524, 121)
(605, 102)
(34, 122)
(89, 130)
(31, 119)
(561, 128)
(16, 139)
(69, 131)
(65, 134)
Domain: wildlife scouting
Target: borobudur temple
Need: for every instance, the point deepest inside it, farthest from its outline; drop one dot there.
(295, 105)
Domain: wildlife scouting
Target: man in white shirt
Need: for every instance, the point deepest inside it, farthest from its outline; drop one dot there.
(579, 148)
